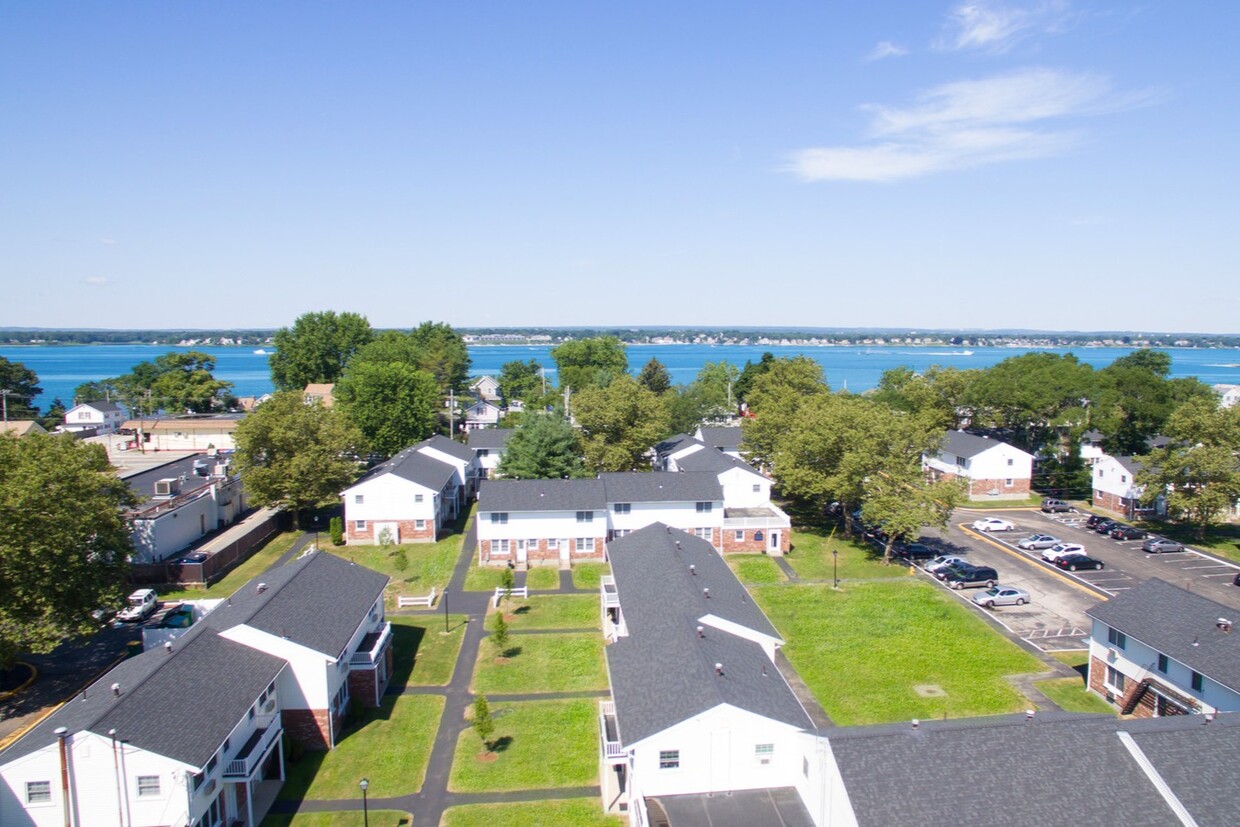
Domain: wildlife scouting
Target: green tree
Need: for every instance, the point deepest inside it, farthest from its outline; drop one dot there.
(618, 424)
(1198, 472)
(103, 390)
(750, 372)
(296, 455)
(65, 545)
(775, 398)
(22, 386)
(55, 416)
(708, 398)
(389, 346)
(483, 724)
(316, 348)
(444, 355)
(544, 446)
(521, 380)
(1037, 396)
(184, 381)
(393, 404)
(938, 393)
(585, 363)
(499, 634)
(654, 377)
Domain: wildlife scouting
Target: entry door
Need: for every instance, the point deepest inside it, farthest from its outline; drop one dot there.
(774, 541)
(521, 553)
(566, 550)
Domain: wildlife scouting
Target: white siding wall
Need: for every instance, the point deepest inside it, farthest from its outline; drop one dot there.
(1113, 478)
(172, 531)
(738, 489)
(1001, 462)
(531, 525)
(682, 515)
(308, 682)
(389, 497)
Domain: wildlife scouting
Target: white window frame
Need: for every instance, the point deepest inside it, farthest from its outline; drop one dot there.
(359, 499)
(359, 525)
(499, 518)
(1110, 681)
(669, 759)
(417, 498)
(148, 786)
(703, 507)
(38, 792)
(739, 535)
(585, 544)
(500, 547)
(1009, 482)
(622, 508)
(585, 516)
(553, 544)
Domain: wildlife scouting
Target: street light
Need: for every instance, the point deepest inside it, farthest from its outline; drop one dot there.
(364, 784)
(314, 521)
(835, 567)
(445, 610)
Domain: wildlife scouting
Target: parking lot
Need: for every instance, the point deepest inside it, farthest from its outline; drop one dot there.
(1055, 618)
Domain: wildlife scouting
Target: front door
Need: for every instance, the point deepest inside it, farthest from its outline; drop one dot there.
(773, 545)
(521, 553)
(566, 551)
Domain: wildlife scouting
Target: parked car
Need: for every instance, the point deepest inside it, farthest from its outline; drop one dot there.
(140, 606)
(1158, 545)
(993, 524)
(918, 551)
(191, 559)
(1001, 596)
(1073, 562)
(1094, 519)
(1037, 541)
(1050, 506)
(1236, 582)
(1128, 532)
(942, 572)
(1053, 553)
(943, 560)
(972, 577)
(1105, 526)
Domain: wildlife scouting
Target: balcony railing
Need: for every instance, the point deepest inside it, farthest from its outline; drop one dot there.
(374, 646)
(613, 751)
(246, 762)
(607, 588)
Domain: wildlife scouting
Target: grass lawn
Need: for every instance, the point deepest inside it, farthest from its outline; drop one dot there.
(378, 818)
(262, 560)
(482, 578)
(422, 655)
(428, 564)
(755, 569)
(542, 663)
(391, 748)
(1032, 501)
(863, 649)
(587, 575)
(1070, 693)
(540, 744)
(1223, 540)
(542, 577)
(1077, 658)
(811, 557)
(552, 611)
(569, 812)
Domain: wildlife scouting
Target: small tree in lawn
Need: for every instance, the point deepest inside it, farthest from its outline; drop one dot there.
(400, 560)
(335, 527)
(483, 723)
(499, 636)
(507, 581)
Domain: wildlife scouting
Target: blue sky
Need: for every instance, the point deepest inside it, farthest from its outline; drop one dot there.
(1047, 164)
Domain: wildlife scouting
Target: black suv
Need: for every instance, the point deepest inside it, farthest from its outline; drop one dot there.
(971, 577)
(1127, 532)
(1050, 506)
(1094, 519)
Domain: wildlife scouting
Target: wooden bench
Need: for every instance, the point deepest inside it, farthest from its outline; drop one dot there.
(523, 591)
(427, 600)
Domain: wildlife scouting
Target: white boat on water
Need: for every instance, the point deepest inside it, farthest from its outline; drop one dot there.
(260, 352)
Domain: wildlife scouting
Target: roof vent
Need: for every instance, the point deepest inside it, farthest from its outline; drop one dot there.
(701, 631)
(168, 646)
(116, 689)
(693, 570)
(916, 723)
(706, 593)
(764, 672)
(719, 670)
(1029, 714)
(677, 545)
(669, 529)
(262, 587)
(1223, 624)
(1195, 641)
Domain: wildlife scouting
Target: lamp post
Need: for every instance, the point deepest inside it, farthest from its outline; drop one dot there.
(314, 521)
(364, 784)
(445, 610)
(835, 567)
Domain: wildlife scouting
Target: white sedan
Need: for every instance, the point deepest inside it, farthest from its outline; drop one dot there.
(993, 524)
(1001, 596)
(1062, 550)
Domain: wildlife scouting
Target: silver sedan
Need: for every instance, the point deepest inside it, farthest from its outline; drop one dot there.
(1038, 541)
(1001, 596)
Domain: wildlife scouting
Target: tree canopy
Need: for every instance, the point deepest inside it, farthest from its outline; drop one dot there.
(520, 380)
(296, 455)
(708, 398)
(654, 377)
(443, 354)
(177, 382)
(316, 348)
(585, 363)
(65, 545)
(544, 446)
(393, 404)
(618, 424)
(22, 385)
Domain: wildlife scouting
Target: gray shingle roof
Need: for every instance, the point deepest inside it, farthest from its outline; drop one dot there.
(101, 406)
(712, 461)
(491, 438)
(411, 464)
(541, 495)
(967, 445)
(446, 446)
(317, 601)
(1171, 620)
(180, 705)
(663, 673)
(638, 487)
(672, 444)
(724, 439)
(1056, 769)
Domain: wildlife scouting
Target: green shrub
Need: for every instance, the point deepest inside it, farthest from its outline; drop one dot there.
(335, 527)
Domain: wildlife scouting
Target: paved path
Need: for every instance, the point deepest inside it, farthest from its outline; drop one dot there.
(787, 569)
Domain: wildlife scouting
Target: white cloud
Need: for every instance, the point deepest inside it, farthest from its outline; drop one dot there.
(969, 123)
(996, 27)
(97, 281)
(886, 49)
(107, 241)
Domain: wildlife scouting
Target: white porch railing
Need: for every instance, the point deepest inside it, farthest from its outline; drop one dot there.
(613, 751)
(607, 588)
(252, 752)
(371, 656)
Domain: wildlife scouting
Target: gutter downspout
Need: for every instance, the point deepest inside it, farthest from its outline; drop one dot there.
(61, 735)
(116, 769)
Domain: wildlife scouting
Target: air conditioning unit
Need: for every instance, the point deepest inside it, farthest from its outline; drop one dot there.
(209, 787)
(270, 705)
(167, 487)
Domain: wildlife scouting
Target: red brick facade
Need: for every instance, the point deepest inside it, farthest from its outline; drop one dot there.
(409, 531)
(540, 552)
(308, 727)
(980, 489)
(754, 540)
(1113, 503)
(362, 681)
(1148, 702)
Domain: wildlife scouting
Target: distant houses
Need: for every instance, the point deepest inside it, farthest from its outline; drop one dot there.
(94, 418)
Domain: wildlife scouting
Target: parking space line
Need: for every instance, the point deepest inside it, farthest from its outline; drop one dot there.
(1222, 574)
(1019, 555)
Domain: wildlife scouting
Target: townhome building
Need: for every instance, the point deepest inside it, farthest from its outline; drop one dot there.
(191, 732)
(1229, 395)
(482, 414)
(522, 522)
(182, 501)
(408, 499)
(992, 469)
(673, 447)
(692, 502)
(751, 522)
(99, 417)
(1115, 484)
(1157, 650)
(726, 440)
(460, 457)
(700, 718)
(488, 445)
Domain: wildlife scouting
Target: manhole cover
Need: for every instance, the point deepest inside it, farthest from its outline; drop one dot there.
(929, 690)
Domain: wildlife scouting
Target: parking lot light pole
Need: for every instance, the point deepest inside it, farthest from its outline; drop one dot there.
(835, 567)
(364, 784)
(445, 610)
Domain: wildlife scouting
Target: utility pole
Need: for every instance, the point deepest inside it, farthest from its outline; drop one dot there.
(451, 412)
(4, 401)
